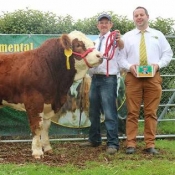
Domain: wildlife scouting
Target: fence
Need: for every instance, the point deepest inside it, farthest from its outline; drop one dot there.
(75, 124)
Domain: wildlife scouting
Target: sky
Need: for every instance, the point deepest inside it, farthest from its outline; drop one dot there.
(80, 9)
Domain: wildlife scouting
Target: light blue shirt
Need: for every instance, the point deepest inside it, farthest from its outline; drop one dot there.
(157, 47)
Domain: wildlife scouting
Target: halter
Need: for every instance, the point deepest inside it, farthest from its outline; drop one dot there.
(69, 52)
(83, 55)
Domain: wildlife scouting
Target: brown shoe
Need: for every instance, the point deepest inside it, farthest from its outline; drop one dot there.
(89, 144)
(111, 150)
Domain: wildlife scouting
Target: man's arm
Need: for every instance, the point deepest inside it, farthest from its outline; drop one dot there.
(120, 44)
(119, 40)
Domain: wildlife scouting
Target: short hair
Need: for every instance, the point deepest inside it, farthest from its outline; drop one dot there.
(139, 7)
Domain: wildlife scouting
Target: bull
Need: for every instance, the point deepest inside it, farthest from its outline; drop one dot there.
(40, 79)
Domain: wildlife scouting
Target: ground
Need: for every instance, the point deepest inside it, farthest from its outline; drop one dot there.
(63, 153)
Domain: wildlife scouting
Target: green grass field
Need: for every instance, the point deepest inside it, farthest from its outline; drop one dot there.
(103, 164)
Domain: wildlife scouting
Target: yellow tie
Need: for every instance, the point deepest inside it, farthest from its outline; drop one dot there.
(143, 55)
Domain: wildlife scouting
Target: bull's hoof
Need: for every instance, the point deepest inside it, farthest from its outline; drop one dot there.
(38, 157)
(49, 152)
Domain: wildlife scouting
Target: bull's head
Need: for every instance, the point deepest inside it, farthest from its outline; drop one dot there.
(85, 55)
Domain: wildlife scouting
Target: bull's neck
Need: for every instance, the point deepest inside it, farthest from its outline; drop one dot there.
(81, 71)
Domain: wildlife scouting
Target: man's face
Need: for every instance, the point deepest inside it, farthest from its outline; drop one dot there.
(104, 26)
(140, 18)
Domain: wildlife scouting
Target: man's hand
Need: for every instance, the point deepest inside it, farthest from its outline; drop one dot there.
(133, 70)
(156, 68)
(118, 39)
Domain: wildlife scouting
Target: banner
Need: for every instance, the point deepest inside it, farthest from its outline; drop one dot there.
(73, 117)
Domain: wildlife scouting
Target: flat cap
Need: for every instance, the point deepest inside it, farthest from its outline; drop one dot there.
(104, 15)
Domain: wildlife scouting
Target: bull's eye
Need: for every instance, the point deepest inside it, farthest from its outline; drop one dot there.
(78, 45)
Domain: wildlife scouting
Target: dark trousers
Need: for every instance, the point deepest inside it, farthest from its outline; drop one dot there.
(103, 96)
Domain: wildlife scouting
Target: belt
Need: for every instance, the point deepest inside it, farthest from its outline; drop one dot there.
(102, 75)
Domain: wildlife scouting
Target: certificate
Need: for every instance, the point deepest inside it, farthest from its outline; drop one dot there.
(145, 71)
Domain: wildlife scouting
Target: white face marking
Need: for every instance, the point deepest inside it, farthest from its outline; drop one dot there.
(93, 58)
(82, 37)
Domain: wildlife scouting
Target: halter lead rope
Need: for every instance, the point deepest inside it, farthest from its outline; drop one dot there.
(111, 45)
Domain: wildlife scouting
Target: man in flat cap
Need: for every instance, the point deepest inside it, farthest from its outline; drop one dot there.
(103, 91)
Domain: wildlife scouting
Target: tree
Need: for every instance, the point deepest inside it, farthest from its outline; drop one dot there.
(30, 21)
(34, 22)
(88, 25)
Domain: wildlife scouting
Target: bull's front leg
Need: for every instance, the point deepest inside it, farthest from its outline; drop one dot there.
(45, 136)
(48, 114)
(36, 124)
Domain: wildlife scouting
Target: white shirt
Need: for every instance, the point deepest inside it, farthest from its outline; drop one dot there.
(157, 47)
(113, 68)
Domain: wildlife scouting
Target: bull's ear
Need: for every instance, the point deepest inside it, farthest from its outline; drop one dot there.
(65, 41)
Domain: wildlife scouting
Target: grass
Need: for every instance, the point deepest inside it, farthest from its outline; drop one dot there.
(119, 164)
(163, 127)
